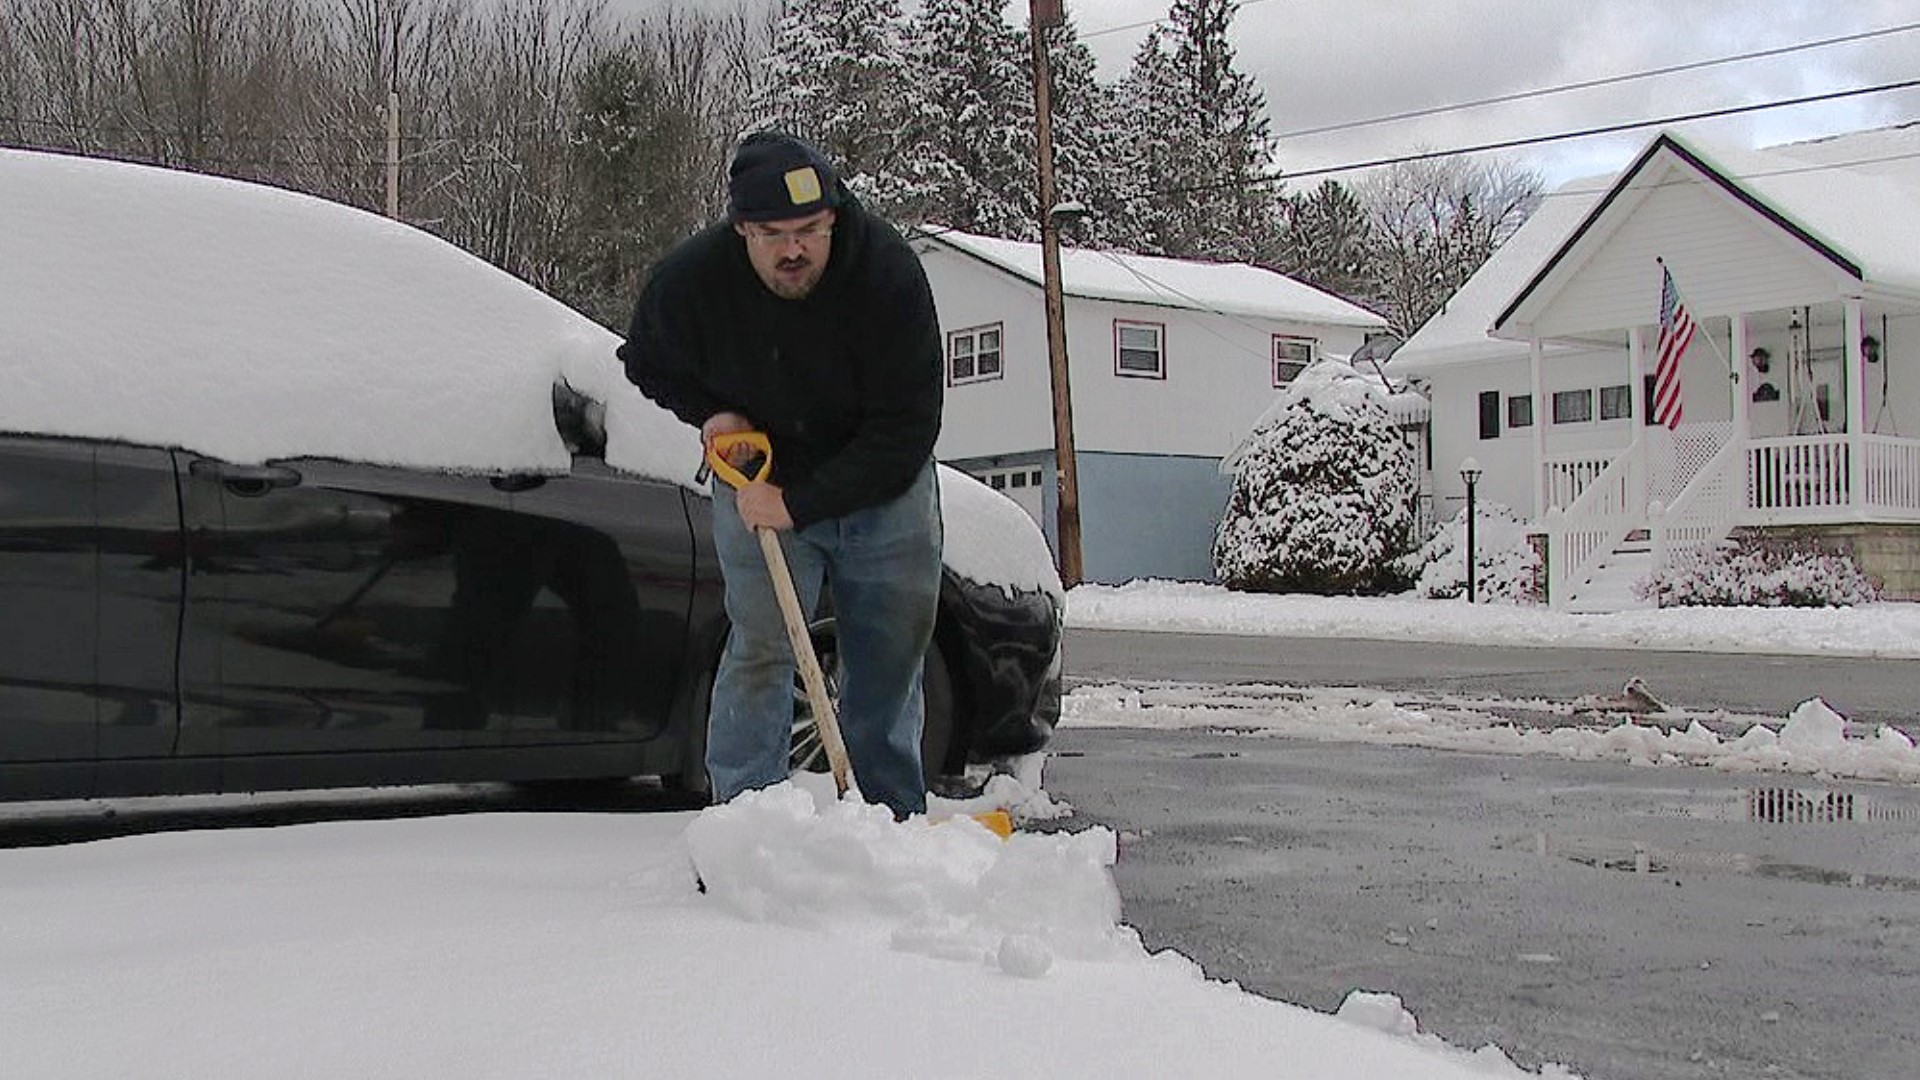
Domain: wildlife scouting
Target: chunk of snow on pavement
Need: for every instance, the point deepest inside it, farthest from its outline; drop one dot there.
(1381, 1012)
(1812, 727)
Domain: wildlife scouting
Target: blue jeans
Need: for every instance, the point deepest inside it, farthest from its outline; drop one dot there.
(883, 565)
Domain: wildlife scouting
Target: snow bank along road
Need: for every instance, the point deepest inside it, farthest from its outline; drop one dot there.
(1863, 689)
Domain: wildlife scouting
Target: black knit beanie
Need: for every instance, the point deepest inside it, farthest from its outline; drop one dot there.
(776, 176)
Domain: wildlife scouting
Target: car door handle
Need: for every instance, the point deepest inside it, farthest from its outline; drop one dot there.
(513, 482)
(245, 479)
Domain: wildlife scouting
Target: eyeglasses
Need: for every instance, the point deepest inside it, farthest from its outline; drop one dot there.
(811, 234)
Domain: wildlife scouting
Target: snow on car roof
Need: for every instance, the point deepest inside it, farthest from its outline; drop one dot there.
(251, 323)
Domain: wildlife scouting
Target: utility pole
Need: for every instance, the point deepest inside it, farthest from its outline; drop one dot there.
(1042, 16)
(393, 124)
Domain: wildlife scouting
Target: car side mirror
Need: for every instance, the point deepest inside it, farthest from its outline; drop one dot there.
(581, 421)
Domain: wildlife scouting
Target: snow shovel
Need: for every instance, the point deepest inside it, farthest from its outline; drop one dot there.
(999, 822)
(803, 655)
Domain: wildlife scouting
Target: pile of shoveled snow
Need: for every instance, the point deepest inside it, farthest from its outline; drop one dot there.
(949, 888)
(1043, 908)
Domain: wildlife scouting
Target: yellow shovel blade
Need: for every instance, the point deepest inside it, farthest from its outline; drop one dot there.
(998, 822)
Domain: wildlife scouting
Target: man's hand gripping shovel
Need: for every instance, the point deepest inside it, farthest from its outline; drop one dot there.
(719, 453)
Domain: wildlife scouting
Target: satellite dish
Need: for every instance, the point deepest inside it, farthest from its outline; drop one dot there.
(1375, 351)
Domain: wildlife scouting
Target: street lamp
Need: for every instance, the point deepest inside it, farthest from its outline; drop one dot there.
(1470, 472)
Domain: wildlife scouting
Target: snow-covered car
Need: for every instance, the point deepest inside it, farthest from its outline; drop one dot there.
(292, 495)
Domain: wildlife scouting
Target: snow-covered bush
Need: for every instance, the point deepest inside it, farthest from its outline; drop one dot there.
(1323, 493)
(1761, 572)
(1508, 563)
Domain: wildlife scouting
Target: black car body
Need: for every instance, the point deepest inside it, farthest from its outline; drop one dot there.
(174, 619)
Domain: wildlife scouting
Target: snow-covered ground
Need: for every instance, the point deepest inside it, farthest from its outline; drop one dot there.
(1890, 630)
(828, 941)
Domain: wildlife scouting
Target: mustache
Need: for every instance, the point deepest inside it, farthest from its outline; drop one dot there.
(793, 262)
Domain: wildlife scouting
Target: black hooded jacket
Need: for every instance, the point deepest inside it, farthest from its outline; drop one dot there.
(846, 382)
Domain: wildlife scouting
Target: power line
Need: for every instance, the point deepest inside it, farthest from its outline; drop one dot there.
(1791, 170)
(1588, 84)
(1105, 30)
(1536, 140)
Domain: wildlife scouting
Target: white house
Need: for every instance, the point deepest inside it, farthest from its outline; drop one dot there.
(1170, 363)
(1800, 265)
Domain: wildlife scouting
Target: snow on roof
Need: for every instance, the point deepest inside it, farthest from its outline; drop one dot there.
(1856, 193)
(1459, 330)
(167, 308)
(1230, 288)
(1859, 194)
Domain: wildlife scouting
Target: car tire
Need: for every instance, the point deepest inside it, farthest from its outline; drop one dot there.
(937, 730)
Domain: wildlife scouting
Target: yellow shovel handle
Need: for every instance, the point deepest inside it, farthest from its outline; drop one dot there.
(721, 445)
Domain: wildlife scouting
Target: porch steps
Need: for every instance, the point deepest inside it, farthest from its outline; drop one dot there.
(1610, 587)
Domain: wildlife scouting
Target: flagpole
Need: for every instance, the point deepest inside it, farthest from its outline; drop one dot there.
(1733, 373)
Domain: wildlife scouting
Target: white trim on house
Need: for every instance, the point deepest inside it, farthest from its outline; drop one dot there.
(1139, 349)
(976, 353)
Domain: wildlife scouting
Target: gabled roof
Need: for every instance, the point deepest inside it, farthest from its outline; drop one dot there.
(1852, 200)
(1229, 288)
(1460, 329)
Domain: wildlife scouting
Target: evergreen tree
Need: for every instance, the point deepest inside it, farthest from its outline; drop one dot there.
(1324, 241)
(835, 77)
(642, 164)
(1324, 495)
(1088, 128)
(967, 154)
(1151, 157)
(1203, 139)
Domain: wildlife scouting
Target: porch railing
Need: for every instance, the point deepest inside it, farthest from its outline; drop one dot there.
(1716, 483)
(1807, 477)
(1705, 511)
(1892, 475)
(1594, 522)
(1567, 477)
(1797, 478)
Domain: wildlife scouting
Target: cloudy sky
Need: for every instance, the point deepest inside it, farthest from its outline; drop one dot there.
(1339, 62)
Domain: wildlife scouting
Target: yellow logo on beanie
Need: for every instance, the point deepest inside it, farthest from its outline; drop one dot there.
(803, 185)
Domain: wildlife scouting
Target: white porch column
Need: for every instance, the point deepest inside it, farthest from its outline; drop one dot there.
(1854, 379)
(1541, 497)
(1636, 386)
(1737, 386)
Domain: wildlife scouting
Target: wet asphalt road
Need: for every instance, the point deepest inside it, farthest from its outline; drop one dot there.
(1874, 691)
(1632, 923)
(1504, 900)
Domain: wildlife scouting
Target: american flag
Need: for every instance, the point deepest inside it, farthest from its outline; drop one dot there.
(1676, 333)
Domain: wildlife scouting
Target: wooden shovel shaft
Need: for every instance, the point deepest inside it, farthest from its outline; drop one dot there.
(805, 658)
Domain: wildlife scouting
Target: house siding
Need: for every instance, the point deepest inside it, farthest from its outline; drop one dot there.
(1014, 413)
(1506, 477)
(1148, 449)
(1723, 256)
(1219, 379)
